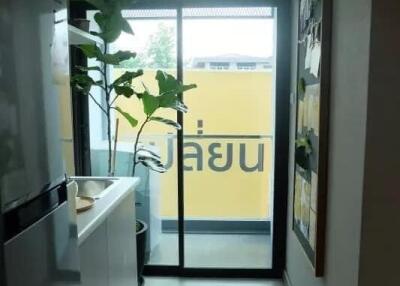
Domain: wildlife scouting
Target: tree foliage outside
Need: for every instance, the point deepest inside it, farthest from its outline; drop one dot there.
(134, 63)
(161, 48)
(160, 51)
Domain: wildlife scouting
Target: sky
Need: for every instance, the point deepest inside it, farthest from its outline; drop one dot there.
(209, 37)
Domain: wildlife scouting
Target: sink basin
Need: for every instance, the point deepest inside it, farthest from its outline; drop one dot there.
(93, 187)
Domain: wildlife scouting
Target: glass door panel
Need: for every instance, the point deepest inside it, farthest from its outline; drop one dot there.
(229, 137)
(155, 42)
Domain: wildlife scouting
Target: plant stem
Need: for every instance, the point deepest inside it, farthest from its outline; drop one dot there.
(115, 98)
(108, 113)
(135, 162)
(97, 103)
(109, 139)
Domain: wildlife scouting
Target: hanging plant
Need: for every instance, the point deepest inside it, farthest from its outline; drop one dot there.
(303, 151)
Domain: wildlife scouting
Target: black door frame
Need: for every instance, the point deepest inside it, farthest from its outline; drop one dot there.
(281, 136)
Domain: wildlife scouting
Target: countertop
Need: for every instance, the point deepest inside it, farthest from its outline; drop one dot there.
(89, 220)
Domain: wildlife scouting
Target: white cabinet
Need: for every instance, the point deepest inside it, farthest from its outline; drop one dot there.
(108, 255)
(121, 233)
(93, 254)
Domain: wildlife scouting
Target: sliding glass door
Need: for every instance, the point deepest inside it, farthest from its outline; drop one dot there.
(220, 210)
(229, 136)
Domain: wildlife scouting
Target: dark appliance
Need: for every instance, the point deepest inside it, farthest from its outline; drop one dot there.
(38, 236)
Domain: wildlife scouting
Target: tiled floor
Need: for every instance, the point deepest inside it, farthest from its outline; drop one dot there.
(158, 281)
(216, 250)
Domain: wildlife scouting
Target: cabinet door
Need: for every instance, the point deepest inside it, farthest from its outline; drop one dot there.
(94, 266)
(121, 228)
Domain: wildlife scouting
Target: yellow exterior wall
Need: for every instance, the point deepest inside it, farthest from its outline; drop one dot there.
(228, 103)
(65, 111)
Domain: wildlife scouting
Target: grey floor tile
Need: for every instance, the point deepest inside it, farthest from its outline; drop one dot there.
(161, 281)
(216, 250)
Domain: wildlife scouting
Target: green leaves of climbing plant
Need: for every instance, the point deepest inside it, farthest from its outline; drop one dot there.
(167, 122)
(150, 159)
(132, 121)
(110, 20)
(150, 103)
(84, 82)
(168, 85)
(92, 51)
(127, 77)
(124, 90)
(86, 69)
(169, 89)
(122, 85)
(116, 58)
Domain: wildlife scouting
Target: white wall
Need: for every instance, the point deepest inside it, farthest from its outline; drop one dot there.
(350, 62)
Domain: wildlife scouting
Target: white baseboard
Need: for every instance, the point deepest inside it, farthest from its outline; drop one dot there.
(286, 279)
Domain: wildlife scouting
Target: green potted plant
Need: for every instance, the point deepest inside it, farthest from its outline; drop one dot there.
(111, 25)
(169, 90)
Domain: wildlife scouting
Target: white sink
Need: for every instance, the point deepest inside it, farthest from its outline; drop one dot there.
(93, 187)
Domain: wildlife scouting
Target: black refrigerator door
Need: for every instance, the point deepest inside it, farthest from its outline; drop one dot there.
(41, 247)
(34, 71)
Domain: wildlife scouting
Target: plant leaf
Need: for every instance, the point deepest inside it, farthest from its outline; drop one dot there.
(132, 121)
(167, 122)
(180, 106)
(152, 163)
(124, 90)
(305, 143)
(145, 154)
(116, 58)
(168, 85)
(168, 100)
(166, 82)
(90, 51)
(169, 88)
(302, 85)
(172, 101)
(110, 24)
(150, 103)
(187, 87)
(82, 82)
(126, 27)
(127, 77)
(85, 69)
(145, 151)
(110, 20)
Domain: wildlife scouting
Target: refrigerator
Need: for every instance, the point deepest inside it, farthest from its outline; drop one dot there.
(38, 235)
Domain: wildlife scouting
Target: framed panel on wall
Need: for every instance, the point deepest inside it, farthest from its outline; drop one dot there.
(312, 105)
